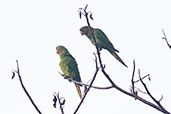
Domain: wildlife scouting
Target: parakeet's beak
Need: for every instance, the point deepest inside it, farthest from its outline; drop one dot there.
(82, 33)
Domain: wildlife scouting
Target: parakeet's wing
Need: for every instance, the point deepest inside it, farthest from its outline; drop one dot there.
(104, 42)
(69, 68)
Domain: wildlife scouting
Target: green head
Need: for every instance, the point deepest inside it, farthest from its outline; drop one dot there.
(61, 50)
(85, 30)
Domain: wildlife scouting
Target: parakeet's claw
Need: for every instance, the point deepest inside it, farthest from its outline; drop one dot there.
(68, 78)
(65, 77)
(99, 49)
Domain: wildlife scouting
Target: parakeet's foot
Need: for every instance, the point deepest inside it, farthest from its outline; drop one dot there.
(67, 77)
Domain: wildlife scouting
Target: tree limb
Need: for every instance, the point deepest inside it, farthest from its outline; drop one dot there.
(148, 92)
(132, 80)
(165, 38)
(83, 84)
(108, 77)
(22, 85)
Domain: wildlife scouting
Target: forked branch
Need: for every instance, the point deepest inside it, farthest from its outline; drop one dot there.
(22, 85)
(151, 96)
(83, 11)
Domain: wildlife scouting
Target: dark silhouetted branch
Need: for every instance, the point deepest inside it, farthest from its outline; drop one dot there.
(22, 85)
(83, 84)
(148, 92)
(83, 11)
(165, 38)
(132, 80)
(143, 78)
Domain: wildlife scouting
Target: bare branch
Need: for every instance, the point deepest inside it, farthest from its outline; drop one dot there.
(108, 77)
(142, 91)
(132, 80)
(143, 78)
(22, 85)
(83, 84)
(148, 92)
(165, 38)
(161, 98)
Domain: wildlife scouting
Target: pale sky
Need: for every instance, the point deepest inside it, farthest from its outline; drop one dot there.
(31, 30)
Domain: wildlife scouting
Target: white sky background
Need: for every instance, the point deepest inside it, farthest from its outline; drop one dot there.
(31, 30)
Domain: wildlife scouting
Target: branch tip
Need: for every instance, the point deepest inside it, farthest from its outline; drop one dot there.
(26, 92)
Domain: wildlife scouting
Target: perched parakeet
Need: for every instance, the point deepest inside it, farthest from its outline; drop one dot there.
(101, 40)
(68, 66)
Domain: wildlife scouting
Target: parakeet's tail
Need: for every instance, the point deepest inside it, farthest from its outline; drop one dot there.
(78, 90)
(118, 58)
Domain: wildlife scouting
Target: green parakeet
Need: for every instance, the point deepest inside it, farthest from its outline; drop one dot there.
(101, 40)
(68, 66)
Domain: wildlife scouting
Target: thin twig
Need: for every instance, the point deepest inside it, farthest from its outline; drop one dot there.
(142, 78)
(26, 92)
(83, 84)
(165, 38)
(141, 91)
(108, 77)
(148, 92)
(132, 80)
(161, 98)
